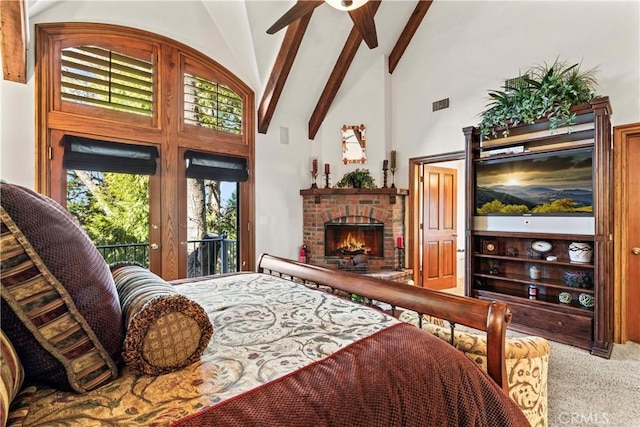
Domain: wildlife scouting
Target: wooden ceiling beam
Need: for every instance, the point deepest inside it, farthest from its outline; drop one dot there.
(13, 31)
(407, 34)
(280, 71)
(337, 76)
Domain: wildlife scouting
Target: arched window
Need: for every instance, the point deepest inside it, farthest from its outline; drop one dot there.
(111, 87)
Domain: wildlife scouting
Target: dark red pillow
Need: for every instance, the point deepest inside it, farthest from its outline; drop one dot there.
(60, 307)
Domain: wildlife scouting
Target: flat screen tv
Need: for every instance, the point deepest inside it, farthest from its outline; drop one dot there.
(558, 183)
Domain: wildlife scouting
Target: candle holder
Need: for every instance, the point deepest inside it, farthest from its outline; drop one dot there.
(314, 172)
(400, 259)
(394, 156)
(326, 180)
(384, 175)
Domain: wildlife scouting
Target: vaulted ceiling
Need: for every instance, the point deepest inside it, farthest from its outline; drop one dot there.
(393, 33)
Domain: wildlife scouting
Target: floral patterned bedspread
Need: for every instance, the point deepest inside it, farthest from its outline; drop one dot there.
(264, 328)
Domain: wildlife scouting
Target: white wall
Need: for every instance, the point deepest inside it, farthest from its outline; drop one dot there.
(465, 48)
(461, 50)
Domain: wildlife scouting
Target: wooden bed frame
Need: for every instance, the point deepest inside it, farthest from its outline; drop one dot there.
(489, 316)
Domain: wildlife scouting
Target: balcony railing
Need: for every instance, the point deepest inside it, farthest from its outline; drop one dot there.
(137, 252)
(212, 255)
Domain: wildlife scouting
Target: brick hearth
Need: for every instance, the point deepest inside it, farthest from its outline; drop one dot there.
(356, 206)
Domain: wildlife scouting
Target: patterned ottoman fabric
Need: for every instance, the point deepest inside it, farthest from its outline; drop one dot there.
(60, 307)
(166, 331)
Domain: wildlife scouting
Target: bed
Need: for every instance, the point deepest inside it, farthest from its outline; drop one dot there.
(290, 347)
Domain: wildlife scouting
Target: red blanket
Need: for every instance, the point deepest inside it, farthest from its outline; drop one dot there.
(400, 376)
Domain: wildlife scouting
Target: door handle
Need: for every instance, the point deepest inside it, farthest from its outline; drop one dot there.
(155, 246)
(636, 251)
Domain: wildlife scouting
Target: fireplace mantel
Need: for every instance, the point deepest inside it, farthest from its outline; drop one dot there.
(318, 192)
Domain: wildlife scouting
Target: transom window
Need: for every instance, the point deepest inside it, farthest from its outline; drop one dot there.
(100, 77)
(211, 105)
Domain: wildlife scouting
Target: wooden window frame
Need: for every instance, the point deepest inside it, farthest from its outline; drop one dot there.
(164, 129)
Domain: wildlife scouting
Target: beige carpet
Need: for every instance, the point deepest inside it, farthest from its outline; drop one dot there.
(586, 390)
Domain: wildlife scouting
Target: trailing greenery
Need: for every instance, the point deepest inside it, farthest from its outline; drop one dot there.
(359, 178)
(541, 92)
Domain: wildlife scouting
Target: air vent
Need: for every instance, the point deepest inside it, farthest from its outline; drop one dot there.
(441, 104)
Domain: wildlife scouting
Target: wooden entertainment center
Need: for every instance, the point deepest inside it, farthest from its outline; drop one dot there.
(555, 270)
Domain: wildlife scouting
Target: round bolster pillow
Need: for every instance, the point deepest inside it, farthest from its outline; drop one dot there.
(165, 331)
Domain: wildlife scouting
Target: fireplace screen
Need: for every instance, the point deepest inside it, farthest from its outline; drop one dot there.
(354, 239)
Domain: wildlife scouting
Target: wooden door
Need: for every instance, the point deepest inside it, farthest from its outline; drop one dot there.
(627, 255)
(633, 240)
(439, 227)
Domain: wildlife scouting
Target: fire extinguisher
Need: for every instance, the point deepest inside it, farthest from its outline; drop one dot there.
(303, 253)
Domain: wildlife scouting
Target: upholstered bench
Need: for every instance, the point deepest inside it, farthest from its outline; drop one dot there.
(527, 361)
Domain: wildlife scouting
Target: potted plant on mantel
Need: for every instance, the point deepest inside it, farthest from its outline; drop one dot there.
(542, 92)
(359, 178)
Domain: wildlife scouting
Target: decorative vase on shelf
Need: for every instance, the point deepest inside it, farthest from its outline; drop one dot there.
(580, 252)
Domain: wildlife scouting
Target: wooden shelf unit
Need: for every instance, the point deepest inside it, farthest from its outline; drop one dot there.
(503, 274)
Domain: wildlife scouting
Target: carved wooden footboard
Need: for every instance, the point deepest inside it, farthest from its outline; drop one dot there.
(491, 317)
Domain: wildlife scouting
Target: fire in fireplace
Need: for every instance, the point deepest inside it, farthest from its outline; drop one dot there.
(353, 239)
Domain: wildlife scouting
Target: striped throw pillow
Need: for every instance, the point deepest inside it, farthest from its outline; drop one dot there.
(11, 374)
(59, 304)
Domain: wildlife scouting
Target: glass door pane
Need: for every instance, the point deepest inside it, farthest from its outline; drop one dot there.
(113, 208)
(212, 227)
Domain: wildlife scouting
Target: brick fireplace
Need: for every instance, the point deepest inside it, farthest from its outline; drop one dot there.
(357, 220)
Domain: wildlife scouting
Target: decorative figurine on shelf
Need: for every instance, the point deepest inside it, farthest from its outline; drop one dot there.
(578, 279)
(400, 248)
(385, 167)
(513, 252)
(327, 172)
(494, 268)
(587, 300)
(565, 297)
(314, 172)
(393, 168)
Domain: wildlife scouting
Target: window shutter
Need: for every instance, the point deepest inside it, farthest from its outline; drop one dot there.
(211, 105)
(95, 155)
(216, 167)
(103, 78)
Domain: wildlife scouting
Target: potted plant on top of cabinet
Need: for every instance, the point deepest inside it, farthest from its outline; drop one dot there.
(543, 91)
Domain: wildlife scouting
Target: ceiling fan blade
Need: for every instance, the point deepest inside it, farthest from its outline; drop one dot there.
(298, 10)
(363, 20)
